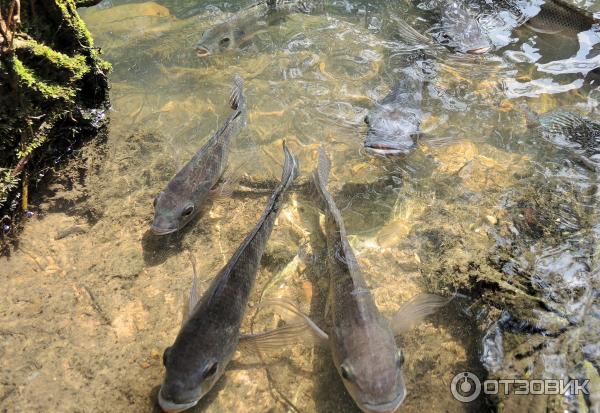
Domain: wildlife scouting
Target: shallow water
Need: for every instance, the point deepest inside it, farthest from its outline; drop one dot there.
(92, 298)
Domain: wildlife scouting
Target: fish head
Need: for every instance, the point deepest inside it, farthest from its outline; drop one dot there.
(171, 213)
(375, 380)
(187, 379)
(219, 39)
(462, 32)
(391, 131)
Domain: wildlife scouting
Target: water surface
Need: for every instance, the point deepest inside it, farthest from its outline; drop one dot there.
(92, 298)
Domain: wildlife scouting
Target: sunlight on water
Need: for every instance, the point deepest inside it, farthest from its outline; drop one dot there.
(484, 194)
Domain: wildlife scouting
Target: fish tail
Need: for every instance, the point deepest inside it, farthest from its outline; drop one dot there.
(290, 168)
(321, 173)
(237, 100)
(560, 120)
(289, 174)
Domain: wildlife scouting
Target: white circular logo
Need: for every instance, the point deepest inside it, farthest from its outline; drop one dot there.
(465, 387)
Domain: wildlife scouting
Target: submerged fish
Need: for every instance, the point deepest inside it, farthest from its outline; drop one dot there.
(560, 18)
(210, 335)
(460, 30)
(239, 30)
(577, 131)
(180, 201)
(361, 340)
(457, 31)
(394, 122)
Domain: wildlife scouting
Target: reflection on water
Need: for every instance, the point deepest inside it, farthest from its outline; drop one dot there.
(486, 205)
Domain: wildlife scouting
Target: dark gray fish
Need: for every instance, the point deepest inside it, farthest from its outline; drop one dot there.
(560, 18)
(394, 122)
(210, 335)
(180, 201)
(238, 31)
(361, 340)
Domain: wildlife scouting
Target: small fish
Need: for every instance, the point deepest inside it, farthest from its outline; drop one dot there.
(361, 340)
(209, 337)
(238, 31)
(394, 122)
(180, 201)
(557, 17)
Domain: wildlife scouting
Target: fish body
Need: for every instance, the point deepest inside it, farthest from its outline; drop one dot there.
(560, 18)
(395, 121)
(238, 31)
(361, 340)
(460, 30)
(209, 337)
(180, 201)
(561, 126)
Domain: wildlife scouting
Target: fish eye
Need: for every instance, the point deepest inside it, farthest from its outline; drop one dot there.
(212, 370)
(187, 211)
(224, 42)
(367, 119)
(346, 373)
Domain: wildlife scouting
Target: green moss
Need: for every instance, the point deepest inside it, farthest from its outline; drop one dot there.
(26, 77)
(74, 22)
(7, 184)
(59, 61)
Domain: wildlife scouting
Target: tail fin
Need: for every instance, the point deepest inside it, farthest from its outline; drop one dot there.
(290, 168)
(237, 100)
(321, 173)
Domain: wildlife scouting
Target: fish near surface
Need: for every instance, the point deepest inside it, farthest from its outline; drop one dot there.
(362, 340)
(180, 201)
(209, 337)
(575, 129)
(395, 122)
(560, 18)
(238, 31)
(460, 30)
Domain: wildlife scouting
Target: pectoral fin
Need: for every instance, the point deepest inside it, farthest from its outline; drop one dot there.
(415, 310)
(227, 185)
(288, 335)
(189, 306)
(301, 330)
(411, 36)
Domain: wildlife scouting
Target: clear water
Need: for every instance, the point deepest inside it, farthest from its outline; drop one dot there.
(91, 299)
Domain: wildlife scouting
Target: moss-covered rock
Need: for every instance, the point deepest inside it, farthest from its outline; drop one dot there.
(53, 95)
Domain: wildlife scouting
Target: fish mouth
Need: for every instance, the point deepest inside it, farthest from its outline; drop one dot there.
(202, 51)
(386, 150)
(387, 407)
(479, 50)
(170, 407)
(162, 231)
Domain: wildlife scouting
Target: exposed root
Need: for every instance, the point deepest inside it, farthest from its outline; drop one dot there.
(9, 26)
